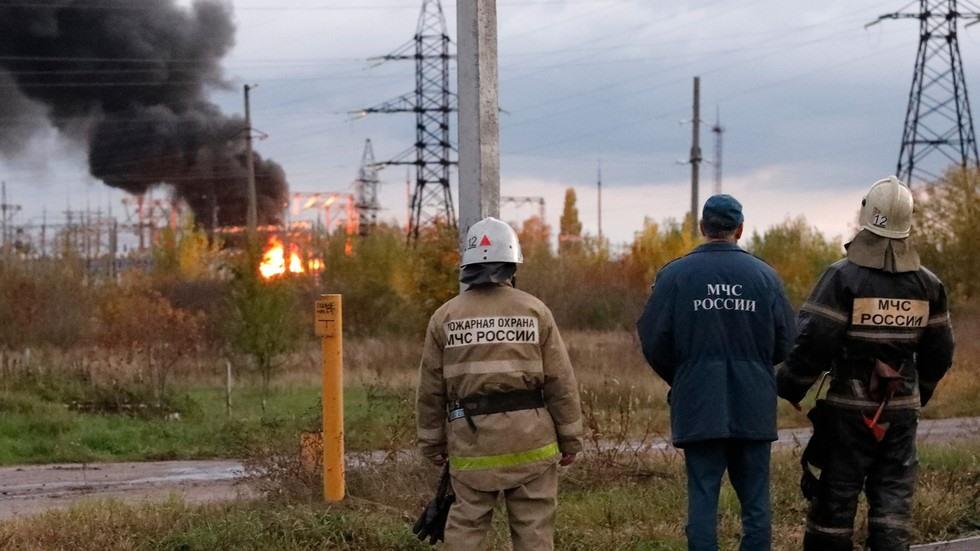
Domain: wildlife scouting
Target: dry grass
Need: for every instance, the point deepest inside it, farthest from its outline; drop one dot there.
(958, 395)
(602, 505)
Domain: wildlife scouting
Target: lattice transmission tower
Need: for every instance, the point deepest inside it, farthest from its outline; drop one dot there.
(431, 102)
(366, 191)
(938, 128)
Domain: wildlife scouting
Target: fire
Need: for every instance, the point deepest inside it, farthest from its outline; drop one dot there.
(274, 262)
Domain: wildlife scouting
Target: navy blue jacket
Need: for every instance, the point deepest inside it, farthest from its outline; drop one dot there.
(715, 325)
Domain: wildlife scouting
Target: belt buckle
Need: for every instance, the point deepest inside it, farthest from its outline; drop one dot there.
(456, 413)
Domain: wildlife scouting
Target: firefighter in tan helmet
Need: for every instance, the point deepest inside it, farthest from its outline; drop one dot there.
(497, 398)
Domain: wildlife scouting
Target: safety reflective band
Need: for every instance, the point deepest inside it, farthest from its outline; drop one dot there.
(504, 460)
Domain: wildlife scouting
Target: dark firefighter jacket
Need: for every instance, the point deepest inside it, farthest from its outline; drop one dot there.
(861, 311)
(715, 325)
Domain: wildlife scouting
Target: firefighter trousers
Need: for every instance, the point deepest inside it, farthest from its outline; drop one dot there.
(530, 513)
(886, 472)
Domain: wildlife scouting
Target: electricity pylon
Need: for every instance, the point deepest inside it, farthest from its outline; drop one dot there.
(938, 128)
(432, 102)
(366, 191)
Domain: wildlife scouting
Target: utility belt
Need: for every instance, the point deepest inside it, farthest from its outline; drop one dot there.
(496, 402)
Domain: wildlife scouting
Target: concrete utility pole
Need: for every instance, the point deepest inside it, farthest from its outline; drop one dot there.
(252, 217)
(479, 133)
(695, 156)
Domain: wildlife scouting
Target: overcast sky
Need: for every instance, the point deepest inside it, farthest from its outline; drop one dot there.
(811, 102)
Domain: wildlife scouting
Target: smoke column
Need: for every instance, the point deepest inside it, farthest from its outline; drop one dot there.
(128, 78)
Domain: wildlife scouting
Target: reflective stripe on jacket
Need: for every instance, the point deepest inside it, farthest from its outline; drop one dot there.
(490, 339)
(858, 314)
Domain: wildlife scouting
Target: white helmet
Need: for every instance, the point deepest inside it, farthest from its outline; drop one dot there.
(491, 240)
(887, 209)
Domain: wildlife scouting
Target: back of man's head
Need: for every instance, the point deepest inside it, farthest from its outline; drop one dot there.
(721, 218)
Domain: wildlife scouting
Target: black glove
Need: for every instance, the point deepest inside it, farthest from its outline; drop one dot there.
(432, 522)
(817, 450)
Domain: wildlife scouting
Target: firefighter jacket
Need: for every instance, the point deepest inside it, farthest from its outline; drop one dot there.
(716, 323)
(870, 307)
(487, 340)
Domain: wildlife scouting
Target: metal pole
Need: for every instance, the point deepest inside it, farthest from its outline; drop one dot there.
(479, 133)
(599, 190)
(719, 131)
(228, 388)
(329, 325)
(44, 233)
(3, 215)
(252, 217)
(113, 248)
(408, 201)
(695, 156)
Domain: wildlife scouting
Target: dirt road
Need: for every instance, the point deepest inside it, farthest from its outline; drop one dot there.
(32, 489)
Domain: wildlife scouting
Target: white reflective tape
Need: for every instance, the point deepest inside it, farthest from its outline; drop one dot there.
(430, 435)
(814, 527)
(491, 330)
(940, 319)
(570, 428)
(882, 336)
(824, 311)
(891, 521)
(492, 366)
(904, 402)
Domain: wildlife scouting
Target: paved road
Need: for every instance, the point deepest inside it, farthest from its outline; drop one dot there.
(31, 489)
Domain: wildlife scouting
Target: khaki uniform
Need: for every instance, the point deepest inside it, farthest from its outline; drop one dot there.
(493, 339)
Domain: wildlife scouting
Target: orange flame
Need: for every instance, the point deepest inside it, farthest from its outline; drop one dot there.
(274, 263)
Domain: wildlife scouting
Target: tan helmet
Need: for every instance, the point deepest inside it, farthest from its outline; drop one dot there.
(491, 240)
(887, 209)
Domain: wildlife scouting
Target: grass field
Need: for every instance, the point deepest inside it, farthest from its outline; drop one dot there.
(621, 397)
(615, 502)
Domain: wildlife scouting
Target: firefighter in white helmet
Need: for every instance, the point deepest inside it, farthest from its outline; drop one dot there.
(497, 398)
(878, 321)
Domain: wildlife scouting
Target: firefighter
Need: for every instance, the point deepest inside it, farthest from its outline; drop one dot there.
(878, 321)
(716, 323)
(497, 398)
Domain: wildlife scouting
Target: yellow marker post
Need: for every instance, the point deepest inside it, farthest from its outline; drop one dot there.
(329, 325)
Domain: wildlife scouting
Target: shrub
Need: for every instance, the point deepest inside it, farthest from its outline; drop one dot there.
(800, 253)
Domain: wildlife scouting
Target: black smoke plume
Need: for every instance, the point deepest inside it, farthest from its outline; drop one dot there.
(129, 79)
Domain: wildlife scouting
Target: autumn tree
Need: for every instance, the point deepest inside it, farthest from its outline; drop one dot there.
(535, 237)
(138, 319)
(798, 252)
(433, 270)
(946, 227)
(657, 244)
(186, 254)
(570, 228)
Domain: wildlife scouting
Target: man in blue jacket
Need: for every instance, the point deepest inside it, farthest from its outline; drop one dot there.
(715, 325)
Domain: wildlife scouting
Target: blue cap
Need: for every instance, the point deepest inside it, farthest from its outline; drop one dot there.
(722, 212)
